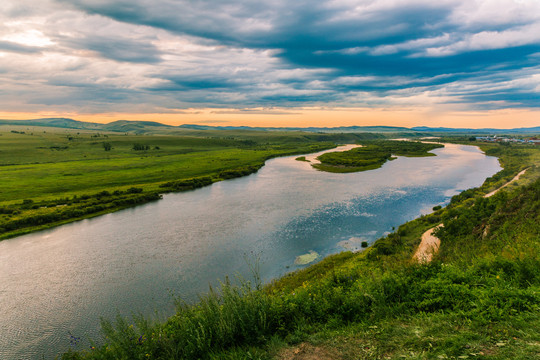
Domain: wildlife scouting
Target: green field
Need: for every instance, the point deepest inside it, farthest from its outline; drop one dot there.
(478, 299)
(51, 176)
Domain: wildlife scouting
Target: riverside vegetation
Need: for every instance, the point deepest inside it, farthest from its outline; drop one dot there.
(51, 176)
(478, 299)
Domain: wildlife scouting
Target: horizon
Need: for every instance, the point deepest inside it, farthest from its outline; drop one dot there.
(347, 118)
(267, 127)
(334, 63)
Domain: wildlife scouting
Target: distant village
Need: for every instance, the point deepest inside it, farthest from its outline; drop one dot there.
(532, 140)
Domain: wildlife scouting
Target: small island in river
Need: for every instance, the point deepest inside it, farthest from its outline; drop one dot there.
(372, 155)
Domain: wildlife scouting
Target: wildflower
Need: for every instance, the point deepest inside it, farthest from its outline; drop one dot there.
(73, 340)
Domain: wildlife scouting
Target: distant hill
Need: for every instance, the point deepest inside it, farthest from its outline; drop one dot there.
(54, 122)
(341, 129)
(141, 127)
(134, 126)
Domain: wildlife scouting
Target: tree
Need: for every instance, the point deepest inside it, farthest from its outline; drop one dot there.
(107, 146)
(139, 147)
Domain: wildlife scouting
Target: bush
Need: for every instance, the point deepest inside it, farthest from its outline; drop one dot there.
(188, 184)
(239, 172)
(140, 147)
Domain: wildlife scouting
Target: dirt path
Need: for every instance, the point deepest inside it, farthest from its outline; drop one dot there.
(428, 246)
(430, 243)
(508, 183)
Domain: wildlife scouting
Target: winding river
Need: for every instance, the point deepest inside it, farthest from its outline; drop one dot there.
(56, 284)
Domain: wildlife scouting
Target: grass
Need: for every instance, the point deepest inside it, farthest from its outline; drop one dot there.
(66, 167)
(434, 336)
(43, 169)
(478, 299)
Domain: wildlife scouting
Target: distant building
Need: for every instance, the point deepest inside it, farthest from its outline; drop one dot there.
(486, 138)
(507, 140)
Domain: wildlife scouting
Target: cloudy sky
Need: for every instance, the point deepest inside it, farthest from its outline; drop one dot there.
(473, 63)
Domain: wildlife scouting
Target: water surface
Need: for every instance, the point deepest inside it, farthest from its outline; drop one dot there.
(57, 283)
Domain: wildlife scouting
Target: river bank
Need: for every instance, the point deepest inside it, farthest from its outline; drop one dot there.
(34, 215)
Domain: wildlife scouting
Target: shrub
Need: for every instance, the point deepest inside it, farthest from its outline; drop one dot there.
(140, 147)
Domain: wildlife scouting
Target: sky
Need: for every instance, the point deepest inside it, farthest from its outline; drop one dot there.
(456, 63)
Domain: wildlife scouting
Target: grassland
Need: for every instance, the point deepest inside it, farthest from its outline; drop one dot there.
(51, 176)
(372, 155)
(478, 299)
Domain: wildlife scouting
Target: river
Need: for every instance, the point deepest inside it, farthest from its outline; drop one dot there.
(56, 284)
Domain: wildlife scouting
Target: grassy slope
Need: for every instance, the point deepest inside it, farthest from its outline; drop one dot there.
(478, 299)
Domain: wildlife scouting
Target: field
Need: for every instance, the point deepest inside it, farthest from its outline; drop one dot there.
(51, 176)
(478, 299)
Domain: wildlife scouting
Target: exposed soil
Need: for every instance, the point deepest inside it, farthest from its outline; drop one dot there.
(306, 351)
(428, 246)
(430, 243)
(508, 183)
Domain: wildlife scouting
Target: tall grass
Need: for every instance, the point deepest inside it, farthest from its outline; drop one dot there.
(241, 316)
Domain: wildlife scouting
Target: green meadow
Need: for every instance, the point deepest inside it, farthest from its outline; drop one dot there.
(478, 299)
(51, 176)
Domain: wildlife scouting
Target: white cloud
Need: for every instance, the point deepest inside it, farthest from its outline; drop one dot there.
(489, 40)
(481, 13)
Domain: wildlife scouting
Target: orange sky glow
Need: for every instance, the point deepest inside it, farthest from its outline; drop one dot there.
(318, 117)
